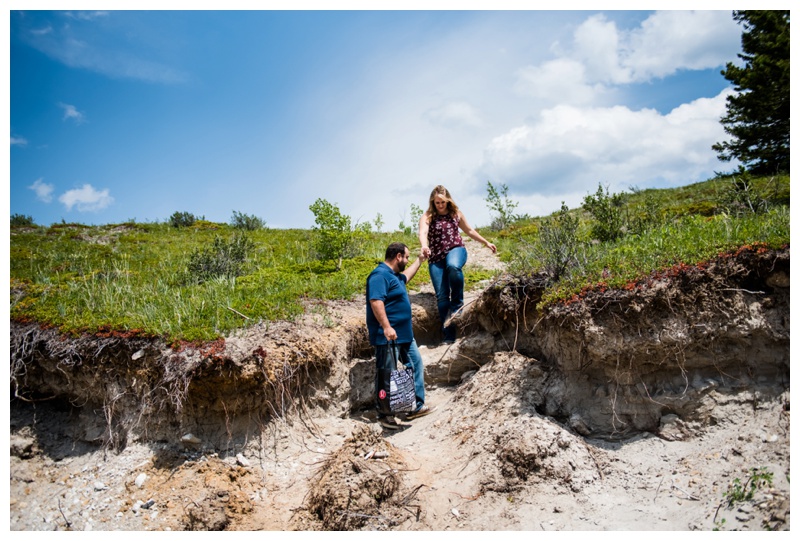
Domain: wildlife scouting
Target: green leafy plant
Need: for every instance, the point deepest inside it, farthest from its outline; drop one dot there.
(741, 196)
(335, 238)
(608, 213)
(741, 492)
(501, 205)
(378, 222)
(221, 259)
(182, 219)
(557, 249)
(646, 213)
(416, 214)
(246, 222)
(21, 220)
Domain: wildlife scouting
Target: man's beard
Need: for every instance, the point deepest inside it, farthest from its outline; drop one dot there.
(401, 266)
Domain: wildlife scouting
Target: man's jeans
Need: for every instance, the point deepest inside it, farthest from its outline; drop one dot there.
(448, 282)
(407, 354)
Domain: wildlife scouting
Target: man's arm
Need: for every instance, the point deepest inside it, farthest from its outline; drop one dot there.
(423, 234)
(412, 269)
(379, 309)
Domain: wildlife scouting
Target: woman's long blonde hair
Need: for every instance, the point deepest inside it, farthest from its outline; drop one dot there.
(452, 208)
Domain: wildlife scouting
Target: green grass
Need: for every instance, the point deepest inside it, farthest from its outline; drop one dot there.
(687, 240)
(133, 277)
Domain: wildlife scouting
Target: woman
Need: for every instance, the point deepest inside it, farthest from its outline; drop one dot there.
(444, 248)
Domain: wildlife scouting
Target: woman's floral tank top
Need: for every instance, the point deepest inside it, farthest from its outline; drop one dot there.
(443, 236)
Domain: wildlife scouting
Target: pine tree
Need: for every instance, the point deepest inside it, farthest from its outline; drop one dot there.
(758, 115)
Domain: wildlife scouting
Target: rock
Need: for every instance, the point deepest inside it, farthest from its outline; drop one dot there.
(140, 479)
(672, 428)
(21, 446)
(99, 485)
(579, 425)
(190, 439)
(138, 355)
(242, 461)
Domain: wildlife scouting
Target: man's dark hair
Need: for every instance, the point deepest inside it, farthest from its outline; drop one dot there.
(393, 249)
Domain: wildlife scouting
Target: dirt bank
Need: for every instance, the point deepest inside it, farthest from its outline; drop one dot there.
(625, 409)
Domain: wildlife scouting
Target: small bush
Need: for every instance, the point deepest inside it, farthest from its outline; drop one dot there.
(222, 259)
(646, 215)
(501, 205)
(246, 222)
(183, 219)
(607, 211)
(335, 238)
(738, 492)
(741, 196)
(557, 251)
(20, 220)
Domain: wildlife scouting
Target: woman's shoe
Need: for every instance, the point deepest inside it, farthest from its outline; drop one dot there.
(421, 412)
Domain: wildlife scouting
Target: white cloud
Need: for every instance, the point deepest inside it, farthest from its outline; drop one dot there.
(86, 42)
(42, 31)
(86, 199)
(672, 40)
(85, 15)
(569, 149)
(70, 112)
(664, 43)
(454, 114)
(44, 191)
(19, 141)
(598, 48)
(562, 81)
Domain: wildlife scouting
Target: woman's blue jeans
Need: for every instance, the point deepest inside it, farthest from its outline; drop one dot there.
(448, 282)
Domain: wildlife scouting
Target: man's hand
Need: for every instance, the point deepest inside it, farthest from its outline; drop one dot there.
(389, 333)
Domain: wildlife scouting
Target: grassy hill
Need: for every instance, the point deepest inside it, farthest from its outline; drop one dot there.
(201, 281)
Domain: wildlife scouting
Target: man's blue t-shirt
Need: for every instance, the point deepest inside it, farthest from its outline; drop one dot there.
(385, 285)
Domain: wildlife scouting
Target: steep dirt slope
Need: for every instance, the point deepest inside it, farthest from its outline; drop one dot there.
(633, 409)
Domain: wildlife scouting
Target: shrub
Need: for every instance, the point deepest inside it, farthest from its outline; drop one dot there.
(378, 222)
(20, 220)
(183, 219)
(246, 222)
(607, 211)
(222, 259)
(557, 250)
(334, 237)
(646, 215)
(500, 204)
(741, 196)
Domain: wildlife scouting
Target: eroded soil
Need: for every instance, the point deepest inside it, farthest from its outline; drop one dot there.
(626, 410)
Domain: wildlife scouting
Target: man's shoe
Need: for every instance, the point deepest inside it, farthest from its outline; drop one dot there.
(389, 423)
(421, 412)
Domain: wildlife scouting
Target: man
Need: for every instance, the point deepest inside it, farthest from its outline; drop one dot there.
(389, 321)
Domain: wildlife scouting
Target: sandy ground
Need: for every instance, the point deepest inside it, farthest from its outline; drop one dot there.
(646, 483)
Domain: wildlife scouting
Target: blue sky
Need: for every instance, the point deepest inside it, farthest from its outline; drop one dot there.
(120, 115)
